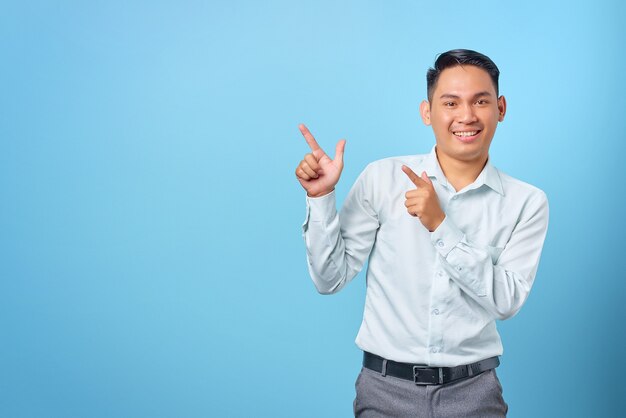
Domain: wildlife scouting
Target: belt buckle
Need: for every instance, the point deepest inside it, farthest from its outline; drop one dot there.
(428, 376)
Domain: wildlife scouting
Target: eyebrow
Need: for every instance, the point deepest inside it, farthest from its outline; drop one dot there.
(454, 96)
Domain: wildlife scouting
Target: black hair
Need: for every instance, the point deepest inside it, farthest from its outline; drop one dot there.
(457, 57)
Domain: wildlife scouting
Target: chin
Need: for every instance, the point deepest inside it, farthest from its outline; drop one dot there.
(465, 152)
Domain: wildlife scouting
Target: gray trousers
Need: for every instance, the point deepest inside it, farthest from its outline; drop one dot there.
(388, 396)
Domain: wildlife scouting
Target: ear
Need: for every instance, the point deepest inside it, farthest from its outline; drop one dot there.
(425, 112)
(501, 108)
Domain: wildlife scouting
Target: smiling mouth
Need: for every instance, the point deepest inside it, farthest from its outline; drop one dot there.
(466, 133)
(466, 136)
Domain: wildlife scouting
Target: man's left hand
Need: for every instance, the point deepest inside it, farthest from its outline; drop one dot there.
(423, 202)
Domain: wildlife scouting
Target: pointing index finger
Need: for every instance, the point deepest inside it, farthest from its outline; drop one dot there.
(419, 182)
(308, 137)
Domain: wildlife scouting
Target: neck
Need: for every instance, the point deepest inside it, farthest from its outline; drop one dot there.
(461, 173)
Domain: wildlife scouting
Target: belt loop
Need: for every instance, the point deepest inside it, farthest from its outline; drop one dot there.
(384, 372)
(470, 371)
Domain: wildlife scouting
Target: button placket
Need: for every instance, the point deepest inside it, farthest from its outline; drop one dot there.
(437, 300)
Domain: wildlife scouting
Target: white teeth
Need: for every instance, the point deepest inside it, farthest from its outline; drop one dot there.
(472, 133)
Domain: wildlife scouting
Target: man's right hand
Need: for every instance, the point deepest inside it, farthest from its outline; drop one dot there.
(317, 173)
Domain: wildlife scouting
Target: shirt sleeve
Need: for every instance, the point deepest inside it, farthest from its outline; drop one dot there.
(337, 244)
(498, 282)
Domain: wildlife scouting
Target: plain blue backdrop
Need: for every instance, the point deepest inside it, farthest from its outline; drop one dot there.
(151, 258)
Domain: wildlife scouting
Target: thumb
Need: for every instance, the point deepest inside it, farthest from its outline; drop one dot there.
(341, 145)
(426, 178)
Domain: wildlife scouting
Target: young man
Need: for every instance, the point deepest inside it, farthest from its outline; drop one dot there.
(453, 245)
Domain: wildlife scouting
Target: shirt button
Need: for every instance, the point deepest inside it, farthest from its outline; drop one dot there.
(455, 197)
(435, 311)
(440, 273)
(434, 349)
(440, 243)
(459, 268)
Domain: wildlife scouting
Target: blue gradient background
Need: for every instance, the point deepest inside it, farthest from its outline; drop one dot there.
(151, 259)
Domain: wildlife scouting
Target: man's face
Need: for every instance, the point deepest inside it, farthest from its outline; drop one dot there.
(464, 113)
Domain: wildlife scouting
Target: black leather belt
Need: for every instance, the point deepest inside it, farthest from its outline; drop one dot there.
(422, 375)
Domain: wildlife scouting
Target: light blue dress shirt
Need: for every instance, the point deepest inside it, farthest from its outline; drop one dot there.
(432, 298)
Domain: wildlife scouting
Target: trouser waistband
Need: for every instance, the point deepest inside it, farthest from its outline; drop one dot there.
(422, 375)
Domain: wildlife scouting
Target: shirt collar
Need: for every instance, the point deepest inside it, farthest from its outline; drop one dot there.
(489, 176)
(431, 166)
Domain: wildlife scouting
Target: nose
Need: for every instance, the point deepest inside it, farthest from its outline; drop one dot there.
(466, 114)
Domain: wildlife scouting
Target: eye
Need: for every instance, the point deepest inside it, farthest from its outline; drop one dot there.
(449, 104)
(481, 102)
